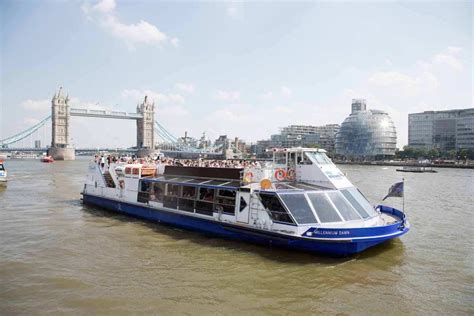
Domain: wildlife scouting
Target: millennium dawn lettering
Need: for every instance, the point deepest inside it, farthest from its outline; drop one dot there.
(332, 232)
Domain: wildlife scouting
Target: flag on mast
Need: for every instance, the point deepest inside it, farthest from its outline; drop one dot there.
(395, 190)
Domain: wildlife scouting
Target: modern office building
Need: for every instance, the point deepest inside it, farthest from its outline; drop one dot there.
(443, 130)
(366, 133)
(300, 136)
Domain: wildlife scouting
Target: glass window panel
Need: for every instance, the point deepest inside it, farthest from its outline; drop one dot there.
(363, 201)
(274, 207)
(227, 193)
(343, 206)
(189, 192)
(299, 208)
(204, 208)
(206, 194)
(157, 192)
(326, 212)
(186, 205)
(360, 209)
(226, 209)
(173, 189)
(170, 201)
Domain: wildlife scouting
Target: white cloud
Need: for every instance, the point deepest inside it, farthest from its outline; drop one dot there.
(286, 92)
(448, 59)
(36, 105)
(141, 32)
(267, 95)
(185, 87)
(175, 41)
(159, 98)
(227, 95)
(234, 9)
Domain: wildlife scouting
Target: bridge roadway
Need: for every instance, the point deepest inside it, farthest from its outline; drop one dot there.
(105, 114)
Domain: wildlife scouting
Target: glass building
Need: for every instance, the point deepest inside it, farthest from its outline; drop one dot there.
(366, 133)
(443, 130)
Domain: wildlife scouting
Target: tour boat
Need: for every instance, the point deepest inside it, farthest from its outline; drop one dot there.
(47, 159)
(417, 169)
(3, 172)
(300, 200)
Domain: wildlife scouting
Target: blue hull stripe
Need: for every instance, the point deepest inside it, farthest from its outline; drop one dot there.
(315, 245)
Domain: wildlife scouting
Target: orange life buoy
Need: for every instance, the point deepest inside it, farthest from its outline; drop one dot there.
(280, 174)
(291, 175)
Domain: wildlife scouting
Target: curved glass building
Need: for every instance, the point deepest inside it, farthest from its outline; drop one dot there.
(366, 133)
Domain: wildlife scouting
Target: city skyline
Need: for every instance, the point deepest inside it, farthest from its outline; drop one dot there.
(240, 69)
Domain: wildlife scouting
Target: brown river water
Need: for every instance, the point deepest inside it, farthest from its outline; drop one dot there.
(59, 256)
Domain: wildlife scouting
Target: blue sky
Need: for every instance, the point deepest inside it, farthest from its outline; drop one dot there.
(236, 68)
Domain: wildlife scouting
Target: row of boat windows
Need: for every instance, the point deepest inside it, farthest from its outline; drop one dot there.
(201, 200)
(333, 206)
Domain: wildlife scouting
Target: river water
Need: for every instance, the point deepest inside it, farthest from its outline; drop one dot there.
(59, 256)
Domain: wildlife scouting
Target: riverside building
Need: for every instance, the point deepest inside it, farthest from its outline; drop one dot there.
(301, 136)
(443, 130)
(366, 133)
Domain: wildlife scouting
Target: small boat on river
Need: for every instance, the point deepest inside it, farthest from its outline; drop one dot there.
(47, 159)
(3, 172)
(417, 169)
(300, 200)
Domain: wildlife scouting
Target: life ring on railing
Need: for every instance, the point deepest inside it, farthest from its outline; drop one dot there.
(291, 174)
(248, 176)
(280, 174)
(122, 184)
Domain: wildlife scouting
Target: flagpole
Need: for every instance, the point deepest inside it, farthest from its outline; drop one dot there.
(403, 180)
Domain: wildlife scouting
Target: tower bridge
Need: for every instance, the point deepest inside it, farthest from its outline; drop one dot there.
(61, 112)
(62, 149)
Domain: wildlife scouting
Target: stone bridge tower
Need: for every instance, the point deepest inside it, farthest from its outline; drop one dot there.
(145, 128)
(60, 115)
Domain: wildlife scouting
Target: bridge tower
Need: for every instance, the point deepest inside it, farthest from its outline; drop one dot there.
(60, 115)
(145, 128)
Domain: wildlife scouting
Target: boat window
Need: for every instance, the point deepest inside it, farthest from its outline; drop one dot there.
(320, 158)
(186, 205)
(225, 202)
(145, 186)
(326, 212)
(170, 201)
(157, 192)
(359, 202)
(206, 194)
(2, 168)
(173, 189)
(204, 208)
(299, 207)
(274, 207)
(343, 206)
(280, 158)
(189, 192)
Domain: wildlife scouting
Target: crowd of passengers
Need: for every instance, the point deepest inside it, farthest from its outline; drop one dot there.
(105, 161)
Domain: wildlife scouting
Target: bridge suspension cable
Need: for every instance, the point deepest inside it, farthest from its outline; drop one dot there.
(23, 134)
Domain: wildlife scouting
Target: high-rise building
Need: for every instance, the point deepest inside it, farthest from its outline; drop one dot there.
(443, 130)
(366, 133)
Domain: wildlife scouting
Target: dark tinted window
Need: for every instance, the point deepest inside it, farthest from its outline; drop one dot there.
(186, 205)
(173, 190)
(243, 204)
(189, 192)
(170, 201)
(274, 207)
(299, 207)
(206, 194)
(204, 208)
(157, 192)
